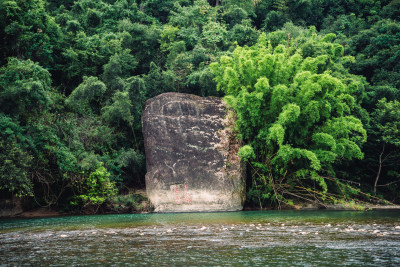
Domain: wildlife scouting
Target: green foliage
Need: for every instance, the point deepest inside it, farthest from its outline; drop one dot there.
(74, 76)
(160, 9)
(214, 35)
(243, 34)
(376, 52)
(89, 53)
(383, 153)
(14, 158)
(129, 202)
(95, 189)
(168, 36)
(14, 169)
(196, 15)
(133, 165)
(294, 111)
(392, 10)
(246, 153)
(28, 31)
(87, 96)
(24, 88)
(385, 122)
(234, 15)
(119, 67)
(120, 110)
(158, 81)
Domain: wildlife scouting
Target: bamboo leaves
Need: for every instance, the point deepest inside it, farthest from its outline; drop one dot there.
(293, 112)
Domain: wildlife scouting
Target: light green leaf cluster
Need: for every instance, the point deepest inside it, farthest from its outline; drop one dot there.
(246, 153)
(167, 36)
(294, 111)
(96, 188)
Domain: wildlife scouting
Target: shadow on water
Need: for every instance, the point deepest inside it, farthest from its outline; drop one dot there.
(284, 238)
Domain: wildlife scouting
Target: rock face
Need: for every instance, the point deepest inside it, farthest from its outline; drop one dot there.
(10, 207)
(191, 155)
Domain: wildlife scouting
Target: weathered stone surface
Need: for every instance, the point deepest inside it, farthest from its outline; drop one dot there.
(10, 207)
(191, 155)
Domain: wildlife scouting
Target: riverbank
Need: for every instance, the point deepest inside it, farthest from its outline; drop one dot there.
(40, 213)
(130, 203)
(353, 207)
(50, 212)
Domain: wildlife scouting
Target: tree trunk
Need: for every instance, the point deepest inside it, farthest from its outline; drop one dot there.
(379, 168)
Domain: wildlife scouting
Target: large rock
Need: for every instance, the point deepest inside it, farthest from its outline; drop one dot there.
(10, 207)
(191, 155)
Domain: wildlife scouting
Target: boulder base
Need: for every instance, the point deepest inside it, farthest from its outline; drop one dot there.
(191, 155)
(10, 207)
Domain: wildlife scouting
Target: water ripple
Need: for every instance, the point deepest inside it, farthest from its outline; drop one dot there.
(256, 239)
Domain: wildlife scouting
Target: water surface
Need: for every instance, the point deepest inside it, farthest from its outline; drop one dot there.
(269, 238)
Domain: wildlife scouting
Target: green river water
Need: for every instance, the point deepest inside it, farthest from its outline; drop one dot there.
(267, 238)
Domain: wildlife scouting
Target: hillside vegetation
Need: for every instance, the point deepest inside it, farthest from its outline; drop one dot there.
(315, 85)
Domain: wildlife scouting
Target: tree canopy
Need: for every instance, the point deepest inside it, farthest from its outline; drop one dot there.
(294, 112)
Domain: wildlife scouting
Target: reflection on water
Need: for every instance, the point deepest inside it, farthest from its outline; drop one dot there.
(285, 238)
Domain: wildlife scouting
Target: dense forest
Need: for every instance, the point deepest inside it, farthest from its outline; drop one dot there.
(315, 85)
